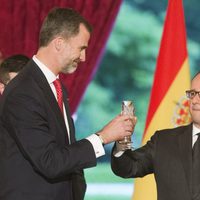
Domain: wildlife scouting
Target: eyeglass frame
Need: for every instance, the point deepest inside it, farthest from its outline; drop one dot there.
(188, 92)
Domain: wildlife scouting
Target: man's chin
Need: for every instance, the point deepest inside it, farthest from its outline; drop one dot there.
(69, 70)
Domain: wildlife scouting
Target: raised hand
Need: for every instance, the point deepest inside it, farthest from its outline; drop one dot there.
(118, 128)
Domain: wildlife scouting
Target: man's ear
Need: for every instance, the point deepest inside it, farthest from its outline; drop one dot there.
(58, 42)
(2, 87)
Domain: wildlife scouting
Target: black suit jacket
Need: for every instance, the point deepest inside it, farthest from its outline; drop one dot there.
(36, 160)
(169, 156)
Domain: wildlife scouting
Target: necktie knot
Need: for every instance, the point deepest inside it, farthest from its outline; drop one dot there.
(197, 141)
(58, 88)
(57, 84)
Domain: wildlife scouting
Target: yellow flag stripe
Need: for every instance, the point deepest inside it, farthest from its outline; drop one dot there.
(176, 92)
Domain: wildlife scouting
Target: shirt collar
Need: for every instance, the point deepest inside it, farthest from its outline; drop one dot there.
(195, 130)
(50, 76)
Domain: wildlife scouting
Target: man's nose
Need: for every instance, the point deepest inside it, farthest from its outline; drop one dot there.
(83, 56)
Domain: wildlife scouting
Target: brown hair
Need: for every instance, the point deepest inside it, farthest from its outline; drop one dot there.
(13, 63)
(61, 22)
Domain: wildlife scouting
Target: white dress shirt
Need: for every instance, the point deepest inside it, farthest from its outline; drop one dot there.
(195, 131)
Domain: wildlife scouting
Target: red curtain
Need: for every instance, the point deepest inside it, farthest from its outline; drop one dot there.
(20, 24)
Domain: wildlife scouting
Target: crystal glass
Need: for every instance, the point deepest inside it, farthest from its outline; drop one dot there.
(127, 109)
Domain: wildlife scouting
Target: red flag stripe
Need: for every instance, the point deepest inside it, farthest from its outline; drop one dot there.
(173, 52)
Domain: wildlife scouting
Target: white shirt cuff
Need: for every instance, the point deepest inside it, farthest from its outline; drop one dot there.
(97, 145)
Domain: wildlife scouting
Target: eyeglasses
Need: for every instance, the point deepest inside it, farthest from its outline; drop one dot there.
(192, 93)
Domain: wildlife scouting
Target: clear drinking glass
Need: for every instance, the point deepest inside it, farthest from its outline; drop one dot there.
(127, 109)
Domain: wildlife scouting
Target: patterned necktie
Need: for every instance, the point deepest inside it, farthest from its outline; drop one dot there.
(196, 168)
(58, 87)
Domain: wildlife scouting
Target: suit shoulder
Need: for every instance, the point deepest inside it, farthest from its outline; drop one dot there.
(174, 131)
(25, 81)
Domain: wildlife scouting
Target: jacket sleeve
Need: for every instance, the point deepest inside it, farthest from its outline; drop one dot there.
(137, 163)
(78, 185)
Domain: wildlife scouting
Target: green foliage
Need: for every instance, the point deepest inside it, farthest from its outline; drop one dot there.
(102, 173)
(95, 111)
(194, 52)
(126, 72)
(191, 12)
(131, 50)
(129, 62)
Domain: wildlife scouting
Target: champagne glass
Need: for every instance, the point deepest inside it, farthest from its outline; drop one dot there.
(127, 109)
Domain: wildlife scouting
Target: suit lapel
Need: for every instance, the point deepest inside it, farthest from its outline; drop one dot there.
(50, 98)
(70, 121)
(185, 151)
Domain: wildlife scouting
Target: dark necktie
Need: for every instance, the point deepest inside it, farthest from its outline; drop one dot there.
(58, 87)
(196, 168)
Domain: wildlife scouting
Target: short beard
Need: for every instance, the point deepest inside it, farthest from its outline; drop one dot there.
(69, 69)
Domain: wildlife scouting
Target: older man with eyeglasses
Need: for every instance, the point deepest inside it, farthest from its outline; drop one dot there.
(172, 155)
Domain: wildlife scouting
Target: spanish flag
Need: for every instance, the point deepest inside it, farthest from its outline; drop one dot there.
(168, 106)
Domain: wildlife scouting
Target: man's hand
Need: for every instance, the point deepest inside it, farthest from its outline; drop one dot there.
(118, 128)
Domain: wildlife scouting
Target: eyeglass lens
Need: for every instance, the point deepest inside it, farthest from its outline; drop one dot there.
(192, 93)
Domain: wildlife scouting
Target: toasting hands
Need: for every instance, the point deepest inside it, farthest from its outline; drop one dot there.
(118, 128)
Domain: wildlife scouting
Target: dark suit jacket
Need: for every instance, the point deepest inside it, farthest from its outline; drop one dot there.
(36, 160)
(169, 156)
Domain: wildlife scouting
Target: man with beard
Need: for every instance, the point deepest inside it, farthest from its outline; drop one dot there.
(40, 157)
